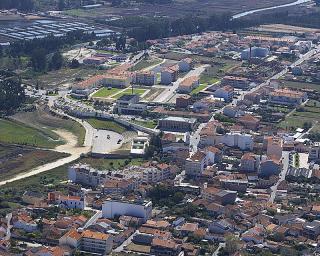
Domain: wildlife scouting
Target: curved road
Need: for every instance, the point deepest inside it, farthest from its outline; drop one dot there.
(70, 147)
(242, 14)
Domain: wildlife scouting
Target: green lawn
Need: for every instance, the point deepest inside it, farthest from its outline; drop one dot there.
(106, 125)
(18, 133)
(142, 64)
(101, 163)
(149, 124)
(128, 92)
(106, 92)
(199, 88)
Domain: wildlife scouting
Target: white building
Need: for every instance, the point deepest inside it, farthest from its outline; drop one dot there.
(195, 164)
(139, 209)
(72, 202)
(129, 105)
(239, 140)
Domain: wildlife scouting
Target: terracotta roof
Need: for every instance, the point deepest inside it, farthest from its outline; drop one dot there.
(95, 235)
(73, 234)
(164, 243)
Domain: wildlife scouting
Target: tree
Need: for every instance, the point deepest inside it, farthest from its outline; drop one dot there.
(74, 63)
(12, 94)
(56, 61)
(232, 244)
(39, 60)
(61, 5)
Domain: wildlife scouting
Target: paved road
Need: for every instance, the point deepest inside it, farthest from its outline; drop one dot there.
(282, 176)
(124, 244)
(169, 92)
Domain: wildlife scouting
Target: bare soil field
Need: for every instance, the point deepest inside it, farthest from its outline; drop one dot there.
(18, 159)
(179, 8)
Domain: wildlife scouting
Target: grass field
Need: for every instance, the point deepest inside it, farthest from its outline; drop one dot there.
(301, 85)
(311, 114)
(106, 125)
(111, 163)
(18, 133)
(149, 124)
(198, 89)
(44, 120)
(128, 92)
(106, 92)
(18, 159)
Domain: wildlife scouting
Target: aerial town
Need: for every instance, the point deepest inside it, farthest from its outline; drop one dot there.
(189, 143)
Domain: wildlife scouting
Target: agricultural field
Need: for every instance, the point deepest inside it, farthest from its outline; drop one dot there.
(177, 9)
(301, 85)
(44, 120)
(13, 132)
(106, 125)
(309, 114)
(129, 91)
(106, 92)
(18, 159)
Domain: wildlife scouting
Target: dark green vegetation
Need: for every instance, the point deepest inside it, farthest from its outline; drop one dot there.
(12, 93)
(18, 159)
(24, 5)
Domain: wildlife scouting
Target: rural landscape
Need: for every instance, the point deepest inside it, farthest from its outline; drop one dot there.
(160, 127)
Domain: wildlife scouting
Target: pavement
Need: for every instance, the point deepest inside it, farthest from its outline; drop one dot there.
(106, 141)
(125, 243)
(170, 90)
(282, 176)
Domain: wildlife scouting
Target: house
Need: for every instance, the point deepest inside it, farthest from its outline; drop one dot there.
(121, 186)
(249, 121)
(138, 208)
(214, 155)
(235, 82)
(129, 105)
(220, 227)
(161, 247)
(187, 228)
(183, 101)
(23, 221)
(239, 185)
(188, 84)
(72, 202)
(274, 147)
(139, 145)
(195, 164)
(312, 229)
(169, 74)
(148, 78)
(176, 124)
(314, 152)
(121, 80)
(269, 167)
(239, 140)
(249, 163)
(226, 92)
(232, 111)
(220, 196)
(185, 65)
(287, 97)
(96, 242)
(72, 238)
